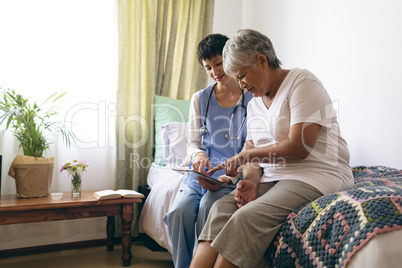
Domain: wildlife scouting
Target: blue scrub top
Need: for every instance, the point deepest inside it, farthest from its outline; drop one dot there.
(215, 144)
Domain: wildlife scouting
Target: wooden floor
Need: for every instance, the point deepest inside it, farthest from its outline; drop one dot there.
(97, 257)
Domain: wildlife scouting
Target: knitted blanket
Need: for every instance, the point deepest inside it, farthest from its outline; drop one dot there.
(328, 231)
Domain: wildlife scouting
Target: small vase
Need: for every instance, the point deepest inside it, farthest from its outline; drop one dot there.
(76, 186)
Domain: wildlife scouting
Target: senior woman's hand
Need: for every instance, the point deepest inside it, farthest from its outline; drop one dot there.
(231, 165)
(246, 191)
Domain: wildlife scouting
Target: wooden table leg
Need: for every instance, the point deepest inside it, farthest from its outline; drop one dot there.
(126, 220)
(110, 230)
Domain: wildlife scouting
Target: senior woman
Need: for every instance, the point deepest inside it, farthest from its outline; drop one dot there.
(293, 135)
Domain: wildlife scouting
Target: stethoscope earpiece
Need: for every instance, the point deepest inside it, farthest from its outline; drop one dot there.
(229, 138)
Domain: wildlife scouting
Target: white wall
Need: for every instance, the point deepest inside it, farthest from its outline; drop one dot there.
(354, 47)
(227, 17)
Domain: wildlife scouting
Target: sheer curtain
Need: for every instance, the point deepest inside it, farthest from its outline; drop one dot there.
(62, 46)
(157, 55)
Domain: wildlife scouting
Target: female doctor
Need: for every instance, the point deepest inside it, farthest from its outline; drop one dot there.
(217, 131)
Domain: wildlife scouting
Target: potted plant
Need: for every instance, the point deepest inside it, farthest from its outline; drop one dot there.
(31, 124)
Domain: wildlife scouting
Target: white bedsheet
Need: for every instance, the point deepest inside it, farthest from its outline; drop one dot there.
(383, 250)
(165, 183)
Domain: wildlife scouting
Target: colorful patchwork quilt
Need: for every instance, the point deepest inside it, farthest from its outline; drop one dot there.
(328, 231)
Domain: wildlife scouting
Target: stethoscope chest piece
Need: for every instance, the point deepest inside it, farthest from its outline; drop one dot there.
(203, 130)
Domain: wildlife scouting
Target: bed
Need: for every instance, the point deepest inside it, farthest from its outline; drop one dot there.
(330, 231)
(361, 227)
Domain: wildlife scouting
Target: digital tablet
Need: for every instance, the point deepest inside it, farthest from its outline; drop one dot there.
(204, 176)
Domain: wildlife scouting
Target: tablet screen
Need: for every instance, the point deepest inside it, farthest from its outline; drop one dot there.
(205, 176)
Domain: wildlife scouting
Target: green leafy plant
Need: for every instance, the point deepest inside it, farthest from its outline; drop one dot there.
(30, 123)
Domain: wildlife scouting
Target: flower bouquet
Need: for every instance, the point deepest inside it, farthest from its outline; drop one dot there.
(75, 169)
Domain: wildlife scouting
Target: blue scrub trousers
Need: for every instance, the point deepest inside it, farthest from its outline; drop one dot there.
(189, 214)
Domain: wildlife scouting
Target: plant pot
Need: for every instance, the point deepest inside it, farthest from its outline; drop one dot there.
(33, 175)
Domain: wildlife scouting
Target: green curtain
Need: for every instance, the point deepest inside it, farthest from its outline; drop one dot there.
(157, 55)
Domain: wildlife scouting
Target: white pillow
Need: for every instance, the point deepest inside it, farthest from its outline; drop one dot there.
(174, 142)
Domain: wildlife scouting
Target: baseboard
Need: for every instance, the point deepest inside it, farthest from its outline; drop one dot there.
(58, 247)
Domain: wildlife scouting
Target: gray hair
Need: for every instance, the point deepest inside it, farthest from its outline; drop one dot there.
(242, 49)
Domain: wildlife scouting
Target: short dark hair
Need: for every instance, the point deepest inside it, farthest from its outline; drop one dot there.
(211, 46)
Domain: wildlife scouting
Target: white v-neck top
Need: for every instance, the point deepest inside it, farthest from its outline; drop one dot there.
(302, 98)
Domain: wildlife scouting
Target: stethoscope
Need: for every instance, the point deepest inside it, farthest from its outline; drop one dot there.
(204, 130)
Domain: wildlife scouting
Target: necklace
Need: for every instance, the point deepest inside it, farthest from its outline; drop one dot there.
(269, 98)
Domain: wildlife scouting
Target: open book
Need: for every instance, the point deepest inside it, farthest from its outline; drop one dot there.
(110, 194)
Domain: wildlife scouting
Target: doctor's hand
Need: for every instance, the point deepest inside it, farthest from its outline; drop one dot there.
(200, 161)
(205, 184)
